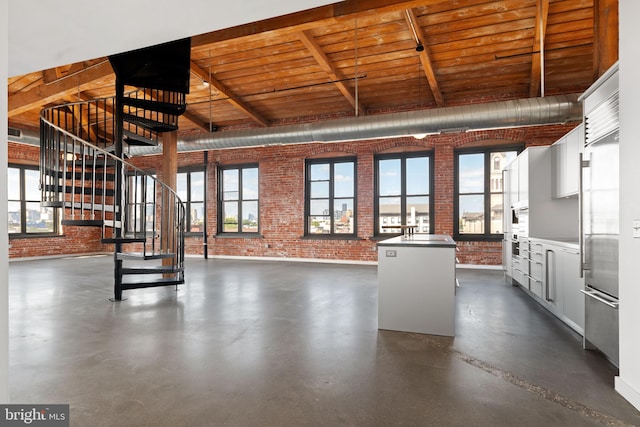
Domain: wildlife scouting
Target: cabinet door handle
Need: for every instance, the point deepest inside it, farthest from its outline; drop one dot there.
(547, 277)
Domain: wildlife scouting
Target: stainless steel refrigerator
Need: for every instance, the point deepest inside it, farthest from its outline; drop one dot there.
(600, 227)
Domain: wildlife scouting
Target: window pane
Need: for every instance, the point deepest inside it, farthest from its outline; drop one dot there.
(230, 215)
(418, 213)
(39, 220)
(496, 213)
(13, 183)
(319, 189)
(197, 187)
(389, 181)
(498, 161)
(319, 172)
(181, 186)
(343, 185)
(471, 173)
(230, 184)
(471, 217)
(250, 217)
(389, 214)
(196, 212)
(14, 217)
(417, 175)
(319, 207)
(148, 216)
(343, 216)
(319, 224)
(250, 184)
(31, 184)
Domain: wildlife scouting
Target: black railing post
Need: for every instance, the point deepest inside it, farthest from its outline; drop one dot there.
(117, 192)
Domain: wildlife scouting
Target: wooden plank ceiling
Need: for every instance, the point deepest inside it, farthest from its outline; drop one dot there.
(358, 57)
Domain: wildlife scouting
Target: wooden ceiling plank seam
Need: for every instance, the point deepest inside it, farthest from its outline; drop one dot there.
(321, 16)
(537, 59)
(21, 102)
(231, 97)
(323, 60)
(425, 59)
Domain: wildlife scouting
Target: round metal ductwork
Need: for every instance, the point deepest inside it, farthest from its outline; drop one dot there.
(496, 115)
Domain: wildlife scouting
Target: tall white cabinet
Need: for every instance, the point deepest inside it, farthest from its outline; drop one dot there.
(541, 251)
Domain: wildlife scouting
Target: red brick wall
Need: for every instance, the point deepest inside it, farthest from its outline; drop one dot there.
(282, 197)
(282, 193)
(74, 240)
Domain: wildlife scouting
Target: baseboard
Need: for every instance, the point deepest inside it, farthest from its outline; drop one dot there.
(314, 260)
(627, 391)
(43, 257)
(480, 266)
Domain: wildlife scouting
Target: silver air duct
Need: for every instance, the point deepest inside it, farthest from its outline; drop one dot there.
(504, 114)
(24, 136)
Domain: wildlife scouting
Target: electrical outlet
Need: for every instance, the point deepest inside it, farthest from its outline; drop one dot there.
(391, 253)
(636, 228)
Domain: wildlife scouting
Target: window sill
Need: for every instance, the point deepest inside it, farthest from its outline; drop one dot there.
(237, 236)
(34, 236)
(330, 237)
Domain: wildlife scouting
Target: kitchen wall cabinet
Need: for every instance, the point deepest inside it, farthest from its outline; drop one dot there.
(565, 161)
(530, 191)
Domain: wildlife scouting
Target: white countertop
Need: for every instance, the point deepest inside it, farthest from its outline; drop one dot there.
(421, 240)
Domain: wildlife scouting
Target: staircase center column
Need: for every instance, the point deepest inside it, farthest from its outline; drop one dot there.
(170, 178)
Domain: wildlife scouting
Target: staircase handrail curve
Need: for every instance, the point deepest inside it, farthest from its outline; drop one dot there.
(108, 154)
(180, 217)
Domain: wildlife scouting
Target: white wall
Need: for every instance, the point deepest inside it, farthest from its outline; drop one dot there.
(4, 244)
(628, 382)
(45, 34)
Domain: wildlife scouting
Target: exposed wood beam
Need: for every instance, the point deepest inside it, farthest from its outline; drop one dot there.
(309, 19)
(425, 59)
(606, 35)
(228, 94)
(196, 120)
(43, 94)
(325, 63)
(542, 14)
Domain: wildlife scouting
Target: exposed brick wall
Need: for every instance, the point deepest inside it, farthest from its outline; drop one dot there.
(74, 240)
(282, 193)
(282, 197)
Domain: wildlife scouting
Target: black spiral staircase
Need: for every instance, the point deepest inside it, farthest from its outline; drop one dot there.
(83, 170)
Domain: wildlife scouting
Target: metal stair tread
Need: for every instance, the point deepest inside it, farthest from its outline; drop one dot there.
(156, 269)
(149, 124)
(152, 105)
(83, 222)
(133, 138)
(143, 256)
(165, 281)
(87, 191)
(124, 240)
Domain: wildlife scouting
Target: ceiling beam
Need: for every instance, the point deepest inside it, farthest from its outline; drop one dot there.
(308, 19)
(23, 101)
(425, 59)
(228, 94)
(542, 14)
(606, 35)
(325, 63)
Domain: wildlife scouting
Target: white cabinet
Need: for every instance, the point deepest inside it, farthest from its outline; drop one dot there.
(563, 284)
(417, 284)
(565, 161)
(530, 189)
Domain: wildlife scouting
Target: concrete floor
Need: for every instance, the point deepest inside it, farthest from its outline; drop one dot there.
(259, 343)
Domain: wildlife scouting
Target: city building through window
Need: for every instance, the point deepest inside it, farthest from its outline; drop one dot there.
(239, 199)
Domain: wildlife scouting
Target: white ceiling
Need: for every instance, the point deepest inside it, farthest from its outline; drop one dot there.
(46, 34)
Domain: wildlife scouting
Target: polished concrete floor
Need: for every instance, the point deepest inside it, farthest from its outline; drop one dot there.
(261, 343)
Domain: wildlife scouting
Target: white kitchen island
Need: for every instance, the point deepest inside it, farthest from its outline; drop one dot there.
(417, 284)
